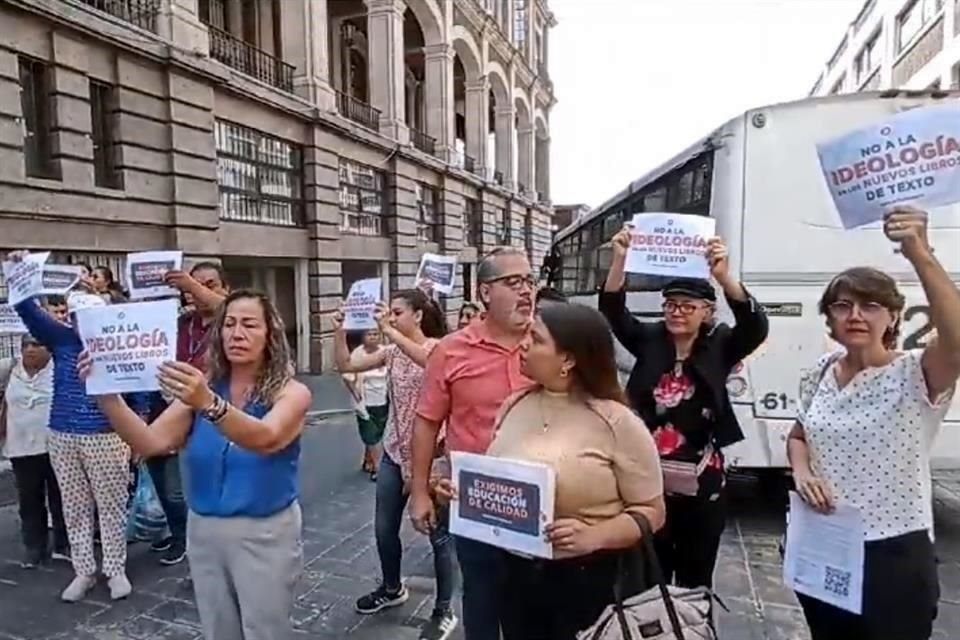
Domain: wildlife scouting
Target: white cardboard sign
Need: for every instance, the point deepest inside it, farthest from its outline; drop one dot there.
(361, 304)
(24, 279)
(670, 244)
(440, 270)
(146, 272)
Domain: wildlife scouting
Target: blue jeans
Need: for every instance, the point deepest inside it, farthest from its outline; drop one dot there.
(165, 473)
(482, 569)
(391, 503)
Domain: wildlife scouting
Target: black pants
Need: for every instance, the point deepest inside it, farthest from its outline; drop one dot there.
(554, 599)
(900, 594)
(36, 489)
(687, 545)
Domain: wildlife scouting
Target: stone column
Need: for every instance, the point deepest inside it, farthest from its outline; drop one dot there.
(478, 123)
(525, 157)
(180, 23)
(543, 168)
(305, 41)
(505, 128)
(438, 63)
(385, 41)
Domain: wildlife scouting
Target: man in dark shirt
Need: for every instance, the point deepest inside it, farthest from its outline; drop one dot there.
(206, 288)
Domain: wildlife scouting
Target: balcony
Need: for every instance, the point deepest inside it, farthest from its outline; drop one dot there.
(358, 111)
(423, 142)
(140, 13)
(249, 60)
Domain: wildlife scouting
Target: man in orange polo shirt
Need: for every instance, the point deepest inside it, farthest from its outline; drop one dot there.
(468, 377)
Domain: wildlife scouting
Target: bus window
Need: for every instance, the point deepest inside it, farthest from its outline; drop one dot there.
(656, 200)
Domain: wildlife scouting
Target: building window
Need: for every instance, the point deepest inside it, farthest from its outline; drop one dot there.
(473, 222)
(955, 75)
(912, 21)
(869, 58)
(361, 199)
(35, 102)
(503, 231)
(428, 206)
(102, 108)
(260, 177)
(520, 22)
(838, 87)
(528, 234)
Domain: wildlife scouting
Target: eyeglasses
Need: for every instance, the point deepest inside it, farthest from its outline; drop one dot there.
(516, 282)
(842, 309)
(683, 308)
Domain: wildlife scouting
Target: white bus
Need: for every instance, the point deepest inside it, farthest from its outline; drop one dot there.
(759, 176)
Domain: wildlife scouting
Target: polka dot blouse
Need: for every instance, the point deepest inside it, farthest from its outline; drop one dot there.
(871, 440)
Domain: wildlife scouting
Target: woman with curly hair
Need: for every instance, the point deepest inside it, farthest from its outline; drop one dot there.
(239, 428)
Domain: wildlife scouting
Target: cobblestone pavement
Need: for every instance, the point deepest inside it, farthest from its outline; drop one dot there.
(341, 564)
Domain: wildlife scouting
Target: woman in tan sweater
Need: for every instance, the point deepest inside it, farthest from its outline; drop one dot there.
(606, 465)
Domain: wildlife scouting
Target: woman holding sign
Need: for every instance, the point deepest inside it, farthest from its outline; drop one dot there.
(413, 324)
(239, 427)
(678, 386)
(868, 417)
(576, 421)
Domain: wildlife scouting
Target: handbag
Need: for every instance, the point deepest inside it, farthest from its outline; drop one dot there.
(661, 613)
(683, 478)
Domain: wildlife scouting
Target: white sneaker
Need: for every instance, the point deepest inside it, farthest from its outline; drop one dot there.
(77, 589)
(119, 587)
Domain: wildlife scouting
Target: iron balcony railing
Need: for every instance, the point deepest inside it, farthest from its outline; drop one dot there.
(248, 59)
(141, 13)
(423, 142)
(358, 111)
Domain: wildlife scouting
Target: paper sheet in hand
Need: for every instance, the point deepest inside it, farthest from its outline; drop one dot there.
(361, 303)
(505, 503)
(824, 554)
(10, 322)
(24, 279)
(912, 157)
(439, 270)
(128, 343)
(669, 244)
(146, 272)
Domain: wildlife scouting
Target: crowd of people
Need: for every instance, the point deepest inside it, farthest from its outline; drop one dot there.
(525, 375)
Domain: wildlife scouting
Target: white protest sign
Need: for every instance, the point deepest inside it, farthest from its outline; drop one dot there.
(670, 244)
(24, 279)
(58, 279)
(441, 271)
(146, 272)
(77, 300)
(913, 157)
(505, 503)
(128, 342)
(10, 322)
(361, 303)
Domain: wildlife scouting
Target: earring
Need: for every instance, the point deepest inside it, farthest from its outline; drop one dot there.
(564, 372)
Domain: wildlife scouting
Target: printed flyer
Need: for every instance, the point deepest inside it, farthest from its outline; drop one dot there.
(58, 279)
(146, 273)
(128, 343)
(10, 323)
(911, 158)
(439, 270)
(670, 244)
(24, 279)
(505, 503)
(361, 304)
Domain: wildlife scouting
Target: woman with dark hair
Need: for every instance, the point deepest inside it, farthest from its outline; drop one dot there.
(868, 417)
(468, 312)
(576, 421)
(679, 387)
(105, 284)
(413, 324)
(239, 426)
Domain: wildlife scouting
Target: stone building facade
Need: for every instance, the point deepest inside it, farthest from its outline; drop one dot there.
(896, 44)
(305, 144)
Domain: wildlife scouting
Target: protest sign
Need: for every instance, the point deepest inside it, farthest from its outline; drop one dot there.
(58, 279)
(24, 279)
(913, 157)
(128, 342)
(146, 272)
(10, 322)
(439, 270)
(505, 503)
(669, 244)
(361, 303)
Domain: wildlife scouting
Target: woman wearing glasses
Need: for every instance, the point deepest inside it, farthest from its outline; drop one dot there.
(868, 417)
(678, 386)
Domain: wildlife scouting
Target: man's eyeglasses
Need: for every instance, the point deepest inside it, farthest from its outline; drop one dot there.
(515, 282)
(683, 308)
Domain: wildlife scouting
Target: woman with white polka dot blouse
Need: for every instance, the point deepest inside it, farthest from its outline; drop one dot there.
(868, 417)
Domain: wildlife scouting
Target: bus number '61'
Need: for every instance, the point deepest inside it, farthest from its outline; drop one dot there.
(917, 327)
